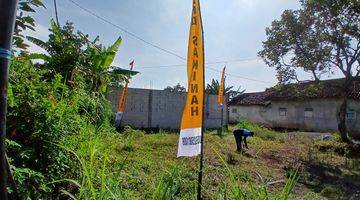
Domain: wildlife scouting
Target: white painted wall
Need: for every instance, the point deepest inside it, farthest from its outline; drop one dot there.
(324, 116)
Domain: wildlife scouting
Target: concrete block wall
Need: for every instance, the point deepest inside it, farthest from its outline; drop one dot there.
(161, 109)
(167, 109)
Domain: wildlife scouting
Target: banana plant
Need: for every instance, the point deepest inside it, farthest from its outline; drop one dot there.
(103, 73)
(71, 54)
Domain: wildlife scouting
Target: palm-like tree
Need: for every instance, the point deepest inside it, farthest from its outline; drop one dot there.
(213, 88)
(177, 88)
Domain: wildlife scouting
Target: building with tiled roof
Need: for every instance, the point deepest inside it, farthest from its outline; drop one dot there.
(310, 106)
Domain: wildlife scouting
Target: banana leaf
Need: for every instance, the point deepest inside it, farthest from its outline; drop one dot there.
(120, 71)
(111, 52)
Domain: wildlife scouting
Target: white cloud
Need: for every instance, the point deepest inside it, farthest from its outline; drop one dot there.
(246, 3)
(41, 32)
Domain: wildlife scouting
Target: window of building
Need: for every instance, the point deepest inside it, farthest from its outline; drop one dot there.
(234, 110)
(350, 115)
(282, 111)
(309, 113)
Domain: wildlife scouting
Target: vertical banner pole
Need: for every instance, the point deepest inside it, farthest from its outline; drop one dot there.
(199, 193)
(7, 23)
(199, 196)
(191, 139)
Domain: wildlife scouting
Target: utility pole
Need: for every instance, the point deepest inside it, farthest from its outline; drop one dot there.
(7, 23)
(56, 14)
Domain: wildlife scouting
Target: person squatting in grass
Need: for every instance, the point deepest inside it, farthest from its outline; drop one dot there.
(240, 136)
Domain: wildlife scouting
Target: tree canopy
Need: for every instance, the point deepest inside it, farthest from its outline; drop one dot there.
(320, 38)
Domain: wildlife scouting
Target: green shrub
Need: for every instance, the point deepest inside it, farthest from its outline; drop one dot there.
(259, 131)
(43, 112)
(51, 102)
(40, 113)
(248, 125)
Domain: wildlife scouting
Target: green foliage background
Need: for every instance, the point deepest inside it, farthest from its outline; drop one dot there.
(53, 100)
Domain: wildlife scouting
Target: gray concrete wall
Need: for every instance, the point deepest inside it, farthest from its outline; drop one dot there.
(324, 115)
(251, 113)
(161, 109)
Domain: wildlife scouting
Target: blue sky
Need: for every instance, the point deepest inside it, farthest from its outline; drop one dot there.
(234, 30)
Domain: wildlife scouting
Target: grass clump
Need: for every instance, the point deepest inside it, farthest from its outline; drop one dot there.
(332, 146)
(98, 168)
(129, 136)
(169, 185)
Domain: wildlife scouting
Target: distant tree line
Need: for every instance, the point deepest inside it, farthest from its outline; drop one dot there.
(211, 88)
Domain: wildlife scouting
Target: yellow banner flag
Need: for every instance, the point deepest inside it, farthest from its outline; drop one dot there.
(192, 119)
(221, 89)
(122, 100)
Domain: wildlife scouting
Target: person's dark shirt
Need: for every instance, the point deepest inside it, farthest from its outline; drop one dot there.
(243, 132)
